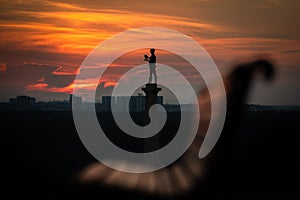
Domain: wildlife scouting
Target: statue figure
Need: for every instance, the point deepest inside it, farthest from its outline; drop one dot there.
(152, 65)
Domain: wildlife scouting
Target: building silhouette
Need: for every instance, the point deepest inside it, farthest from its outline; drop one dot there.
(75, 99)
(23, 102)
(136, 103)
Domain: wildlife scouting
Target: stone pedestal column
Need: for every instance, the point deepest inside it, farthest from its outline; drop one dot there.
(151, 90)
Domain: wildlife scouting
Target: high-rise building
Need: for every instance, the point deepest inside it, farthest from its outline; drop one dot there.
(135, 103)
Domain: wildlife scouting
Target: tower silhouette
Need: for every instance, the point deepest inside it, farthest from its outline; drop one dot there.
(151, 90)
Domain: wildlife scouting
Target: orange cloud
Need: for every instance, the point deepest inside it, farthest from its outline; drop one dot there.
(61, 71)
(2, 67)
(77, 32)
(286, 52)
(38, 86)
(70, 29)
(41, 79)
(43, 87)
(65, 5)
(110, 83)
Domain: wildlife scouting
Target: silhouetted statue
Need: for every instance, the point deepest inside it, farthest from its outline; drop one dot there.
(152, 65)
(190, 176)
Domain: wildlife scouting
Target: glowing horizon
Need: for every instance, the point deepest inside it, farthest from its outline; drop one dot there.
(58, 35)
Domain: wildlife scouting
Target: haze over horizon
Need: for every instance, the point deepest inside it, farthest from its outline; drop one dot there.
(43, 43)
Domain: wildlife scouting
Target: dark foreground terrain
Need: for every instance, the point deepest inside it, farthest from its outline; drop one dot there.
(44, 154)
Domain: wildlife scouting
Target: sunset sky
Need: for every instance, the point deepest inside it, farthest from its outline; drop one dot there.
(43, 42)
